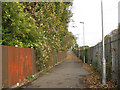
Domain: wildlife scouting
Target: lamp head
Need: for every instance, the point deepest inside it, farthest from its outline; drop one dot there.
(82, 22)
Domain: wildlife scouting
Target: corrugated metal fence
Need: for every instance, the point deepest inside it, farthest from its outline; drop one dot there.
(0, 67)
(57, 57)
(112, 56)
(19, 63)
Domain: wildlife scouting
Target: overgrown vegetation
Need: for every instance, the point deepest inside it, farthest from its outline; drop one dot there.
(94, 56)
(76, 49)
(42, 25)
(97, 69)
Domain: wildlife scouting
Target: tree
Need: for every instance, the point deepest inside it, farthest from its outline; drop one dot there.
(43, 26)
(18, 28)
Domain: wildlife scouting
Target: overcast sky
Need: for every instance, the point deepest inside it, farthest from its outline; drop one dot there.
(89, 12)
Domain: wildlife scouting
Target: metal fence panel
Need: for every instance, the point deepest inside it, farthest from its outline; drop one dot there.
(99, 55)
(94, 55)
(0, 66)
(28, 61)
(21, 67)
(119, 57)
(108, 58)
(97, 60)
(52, 59)
(4, 66)
(34, 66)
(12, 65)
(112, 56)
(59, 56)
(17, 64)
(114, 46)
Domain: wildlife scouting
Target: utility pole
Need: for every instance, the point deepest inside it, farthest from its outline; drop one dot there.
(83, 42)
(103, 59)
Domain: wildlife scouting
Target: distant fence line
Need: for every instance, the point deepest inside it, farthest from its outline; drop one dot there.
(18, 63)
(112, 55)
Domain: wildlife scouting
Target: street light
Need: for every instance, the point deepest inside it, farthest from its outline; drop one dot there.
(83, 41)
(79, 47)
(103, 59)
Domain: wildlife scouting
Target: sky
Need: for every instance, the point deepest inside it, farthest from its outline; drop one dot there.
(89, 12)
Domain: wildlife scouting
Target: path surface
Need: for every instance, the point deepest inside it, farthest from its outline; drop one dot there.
(66, 75)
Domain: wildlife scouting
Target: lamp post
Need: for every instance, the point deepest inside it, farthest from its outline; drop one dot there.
(78, 47)
(83, 41)
(103, 58)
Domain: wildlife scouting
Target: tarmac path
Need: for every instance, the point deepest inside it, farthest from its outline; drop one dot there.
(66, 75)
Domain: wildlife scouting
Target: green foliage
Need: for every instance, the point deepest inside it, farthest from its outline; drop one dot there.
(85, 53)
(0, 35)
(75, 51)
(97, 69)
(76, 45)
(30, 77)
(109, 71)
(18, 28)
(41, 25)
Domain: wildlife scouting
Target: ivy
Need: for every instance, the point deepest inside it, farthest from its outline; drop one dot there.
(41, 25)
